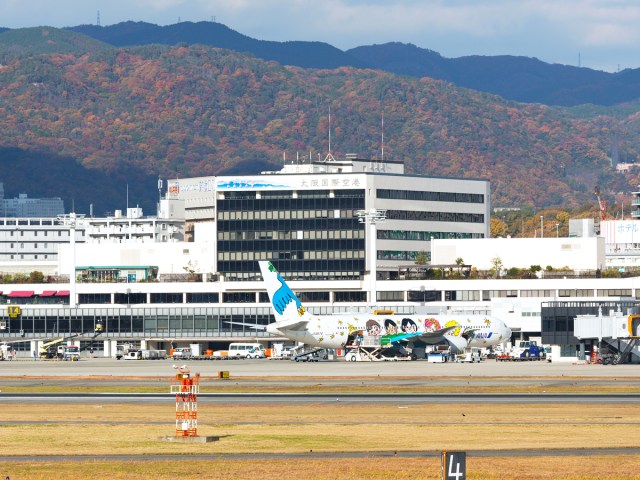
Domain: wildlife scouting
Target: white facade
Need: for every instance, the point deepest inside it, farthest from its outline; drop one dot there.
(32, 244)
(169, 258)
(575, 253)
(135, 228)
(622, 239)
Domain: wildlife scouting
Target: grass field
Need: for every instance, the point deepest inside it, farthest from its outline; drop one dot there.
(97, 434)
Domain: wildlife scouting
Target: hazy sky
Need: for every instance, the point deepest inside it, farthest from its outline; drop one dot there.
(600, 34)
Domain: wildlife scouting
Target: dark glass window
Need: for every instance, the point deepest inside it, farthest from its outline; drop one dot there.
(211, 297)
(166, 298)
(94, 298)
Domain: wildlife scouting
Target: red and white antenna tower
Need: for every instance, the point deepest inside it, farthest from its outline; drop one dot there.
(186, 389)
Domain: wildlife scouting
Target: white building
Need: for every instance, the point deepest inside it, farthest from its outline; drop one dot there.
(32, 244)
(168, 226)
(306, 216)
(587, 253)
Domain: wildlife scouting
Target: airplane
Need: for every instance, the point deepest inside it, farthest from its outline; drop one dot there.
(296, 323)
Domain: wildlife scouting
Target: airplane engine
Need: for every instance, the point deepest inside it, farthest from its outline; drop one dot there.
(458, 344)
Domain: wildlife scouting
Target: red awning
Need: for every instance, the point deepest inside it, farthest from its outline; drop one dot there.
(21, 294)
(47, 293)
(62, 293)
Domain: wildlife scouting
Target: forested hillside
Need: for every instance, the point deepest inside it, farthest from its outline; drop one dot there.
(196, 110)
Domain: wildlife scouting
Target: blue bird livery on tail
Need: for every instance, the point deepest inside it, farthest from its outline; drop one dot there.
(284, 296)
(286, 305)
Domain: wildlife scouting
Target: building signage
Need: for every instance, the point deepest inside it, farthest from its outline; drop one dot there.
(177, 188)
(621, 231)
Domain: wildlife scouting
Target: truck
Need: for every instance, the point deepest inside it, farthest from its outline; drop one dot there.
(6, 352)
(528, 350)
(69, 352)
(122, 350)
(470, 355)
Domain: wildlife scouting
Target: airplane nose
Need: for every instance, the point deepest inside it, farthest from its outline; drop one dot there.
(507, 333)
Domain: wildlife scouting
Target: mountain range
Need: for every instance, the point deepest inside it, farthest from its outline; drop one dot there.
(516, 78)
(175, 106)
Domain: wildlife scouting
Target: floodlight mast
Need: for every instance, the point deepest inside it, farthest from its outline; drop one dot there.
(373, 216)
(72, 220)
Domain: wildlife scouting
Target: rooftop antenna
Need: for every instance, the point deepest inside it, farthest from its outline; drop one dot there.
(159, 192)
(329, 157)
(382, 155)
(98, 17)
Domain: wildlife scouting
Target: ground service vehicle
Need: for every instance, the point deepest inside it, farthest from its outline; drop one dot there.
(69, 352)
(122, 350)
(181, 353)
(528, 350)
(247, 350)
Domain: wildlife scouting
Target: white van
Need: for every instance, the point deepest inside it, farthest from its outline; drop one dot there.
(247, 350)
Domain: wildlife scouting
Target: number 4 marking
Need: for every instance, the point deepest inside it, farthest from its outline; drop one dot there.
(457, 474)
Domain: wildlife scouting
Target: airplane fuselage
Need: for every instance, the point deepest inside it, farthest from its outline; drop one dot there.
(336, 331)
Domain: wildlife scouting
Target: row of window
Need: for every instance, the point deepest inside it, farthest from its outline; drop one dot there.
(213, 297)
(289, 225)
(284, 214)
(250, 297)
(26, 221)
(35, 233)
(290, 235)
(31, 245)
(23, 256)
(293, 204)
(264, 247)
(430, 196)
(422, 236)
(290, 255)
(435, 216)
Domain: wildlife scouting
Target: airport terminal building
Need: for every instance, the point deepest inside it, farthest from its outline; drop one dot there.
(306, 216)
(314, 221)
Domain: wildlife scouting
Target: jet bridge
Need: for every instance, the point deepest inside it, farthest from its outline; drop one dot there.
(621, 332)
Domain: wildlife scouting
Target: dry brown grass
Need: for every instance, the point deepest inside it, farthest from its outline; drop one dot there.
(549, 385)
(619, 467)
(134, 429)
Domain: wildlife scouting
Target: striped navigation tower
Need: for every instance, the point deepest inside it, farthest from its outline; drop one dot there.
(186, 388)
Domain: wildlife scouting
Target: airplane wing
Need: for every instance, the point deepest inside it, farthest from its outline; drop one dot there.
(293, 324)
(457, 343)
(248, 325)
(436, 334)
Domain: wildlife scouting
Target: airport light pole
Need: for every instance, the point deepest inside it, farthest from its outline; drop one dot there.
(373, 216)
(541, 226)
(72, 220)
(557, 225)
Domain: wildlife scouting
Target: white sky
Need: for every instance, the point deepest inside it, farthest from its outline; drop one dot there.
(600, 34)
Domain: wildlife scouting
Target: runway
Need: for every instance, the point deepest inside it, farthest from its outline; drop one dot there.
(325, 399)
(287, 369)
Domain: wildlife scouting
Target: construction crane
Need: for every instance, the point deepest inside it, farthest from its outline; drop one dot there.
(602, 204)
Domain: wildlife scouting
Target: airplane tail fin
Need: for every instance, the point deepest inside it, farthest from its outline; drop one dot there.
(286, 305)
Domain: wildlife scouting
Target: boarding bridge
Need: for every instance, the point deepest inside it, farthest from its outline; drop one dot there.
(619, 331)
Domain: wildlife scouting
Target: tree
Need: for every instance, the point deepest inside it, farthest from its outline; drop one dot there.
(421, 258)
(496, 266)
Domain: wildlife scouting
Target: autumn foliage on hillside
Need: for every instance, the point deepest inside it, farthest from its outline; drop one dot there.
(191, 111)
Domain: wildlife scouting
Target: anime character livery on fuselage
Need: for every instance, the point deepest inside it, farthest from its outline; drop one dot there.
(336, 331)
